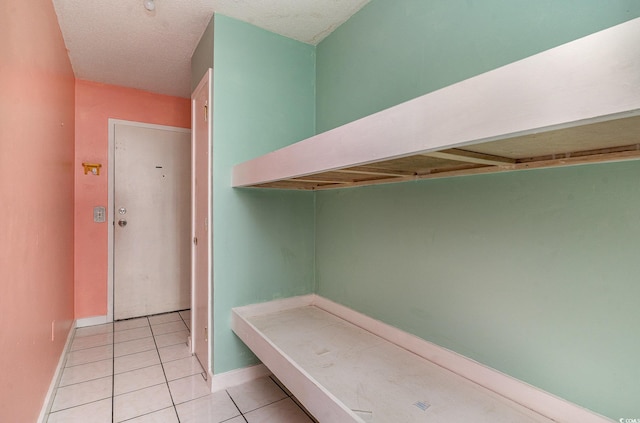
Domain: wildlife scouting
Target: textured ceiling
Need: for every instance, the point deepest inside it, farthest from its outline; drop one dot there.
(119, 42)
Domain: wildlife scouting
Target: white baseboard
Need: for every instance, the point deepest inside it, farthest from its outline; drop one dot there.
(542, 402)
(238, 377)
(48, 399)
(91, 321)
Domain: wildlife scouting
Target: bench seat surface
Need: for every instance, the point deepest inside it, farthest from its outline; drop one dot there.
(378, 380)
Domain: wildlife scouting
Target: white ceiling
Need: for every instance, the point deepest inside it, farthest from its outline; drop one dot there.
(119, 42)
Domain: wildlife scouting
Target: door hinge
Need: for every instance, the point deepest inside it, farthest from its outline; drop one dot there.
(206, 109)
(195, 240)
(206, 334)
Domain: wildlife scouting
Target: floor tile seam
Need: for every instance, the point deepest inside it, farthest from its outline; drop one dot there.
(137, 352)
(176, 359)
(66, 360)
(172, 345)
(166, 380)
(130, 329)
(184, 377)
(167, 322)
(121, 329)
(130, 340)
(301, 407)
(266, 405)
(185, 323)
(281, 387)
(76, 406)
(77, 337)
(84, 381)
(166, 333)
(133, 353)
(140, 324)
(80, 404)
(133, 370)
(194, 398)
(235, 417)
(138, 390)
(88, 348)
(113, 376)
(171, 333)
(71, 350)
(137, 369)
(169, 312)
(237, 408)
(65, 366)
(95, 335)
(201, 374)
(142, 415)
(87, 363)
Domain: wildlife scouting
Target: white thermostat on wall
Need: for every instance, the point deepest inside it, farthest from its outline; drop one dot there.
(99, 214)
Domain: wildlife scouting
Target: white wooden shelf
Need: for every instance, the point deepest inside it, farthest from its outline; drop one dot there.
(574, 104)
(346, 367)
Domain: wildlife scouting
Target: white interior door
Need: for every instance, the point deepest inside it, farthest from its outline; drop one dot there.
(152, 201)
(202, 230)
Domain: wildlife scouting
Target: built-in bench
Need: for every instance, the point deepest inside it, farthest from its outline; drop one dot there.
(346, 367)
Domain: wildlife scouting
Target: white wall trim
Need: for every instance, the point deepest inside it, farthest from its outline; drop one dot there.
(92, 321)
(48, 399)
(237, 377)
(207, 80)
(516, 390)
(110, 197)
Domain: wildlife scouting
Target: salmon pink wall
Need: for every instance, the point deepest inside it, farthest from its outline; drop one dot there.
(95, 104)
(36, 204)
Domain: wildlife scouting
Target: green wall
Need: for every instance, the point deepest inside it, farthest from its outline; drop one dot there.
(264, 88)
(532, 273)
(395, 50)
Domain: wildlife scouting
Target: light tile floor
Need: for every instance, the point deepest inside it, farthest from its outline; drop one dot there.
(141, 371)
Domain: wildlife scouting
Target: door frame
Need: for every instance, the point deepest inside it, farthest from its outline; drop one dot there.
(111, 198)
(207, 78)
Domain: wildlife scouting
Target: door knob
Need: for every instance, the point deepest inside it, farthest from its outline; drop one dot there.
(122, 223)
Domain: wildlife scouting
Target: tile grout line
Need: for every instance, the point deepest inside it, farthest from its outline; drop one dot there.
(75, 406)
(112, 357)
(164, 373)
(238, 408)
(294, 399)
(66, 353)
(268, 404)
(145, 414)
(113, 371)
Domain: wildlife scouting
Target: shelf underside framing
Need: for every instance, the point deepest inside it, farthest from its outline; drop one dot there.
(615, 140)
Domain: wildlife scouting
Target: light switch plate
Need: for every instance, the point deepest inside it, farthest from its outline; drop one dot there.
(99, 214)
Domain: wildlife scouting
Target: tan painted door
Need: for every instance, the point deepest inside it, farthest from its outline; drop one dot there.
(152, 199)
(202, 230)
